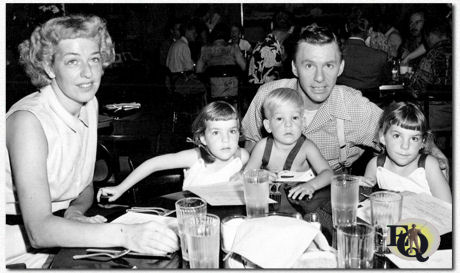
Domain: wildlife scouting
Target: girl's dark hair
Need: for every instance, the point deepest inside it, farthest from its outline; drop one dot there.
(407, 115)
(214, 111)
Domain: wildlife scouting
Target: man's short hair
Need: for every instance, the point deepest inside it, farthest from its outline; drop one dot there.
(282, 20)
(278, 97)
(188, 25)
(358, 26)
(438, 26)
(317, 35)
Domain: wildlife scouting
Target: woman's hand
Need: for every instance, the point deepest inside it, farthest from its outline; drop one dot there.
(299, 191)
(78, 216)
(112, 192)
(151, 237)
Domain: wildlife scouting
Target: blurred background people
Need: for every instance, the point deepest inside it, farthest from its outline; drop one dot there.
(365, 67)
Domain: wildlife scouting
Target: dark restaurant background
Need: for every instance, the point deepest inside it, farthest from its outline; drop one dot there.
(138, 30)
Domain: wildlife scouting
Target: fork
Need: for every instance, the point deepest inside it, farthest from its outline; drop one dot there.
(157, 210)
(110, 255)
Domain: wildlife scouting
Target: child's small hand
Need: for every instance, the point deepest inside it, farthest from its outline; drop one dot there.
(299, 191)
(112, 192)
(272, 176)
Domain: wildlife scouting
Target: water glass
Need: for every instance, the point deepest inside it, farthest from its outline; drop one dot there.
(386, 210)
(203, 238)
(355, 246)
(403, 69)
(344, 199)
(186, 208)
(256, 192)
(313, 219)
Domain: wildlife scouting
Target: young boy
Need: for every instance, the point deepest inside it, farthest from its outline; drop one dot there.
(286, 149)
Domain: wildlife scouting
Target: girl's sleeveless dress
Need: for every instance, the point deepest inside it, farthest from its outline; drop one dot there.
(198, 175)
(416, 182)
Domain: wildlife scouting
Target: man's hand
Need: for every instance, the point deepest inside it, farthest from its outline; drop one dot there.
(299, 191)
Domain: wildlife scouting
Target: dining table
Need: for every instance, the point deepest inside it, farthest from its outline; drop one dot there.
(320, 204)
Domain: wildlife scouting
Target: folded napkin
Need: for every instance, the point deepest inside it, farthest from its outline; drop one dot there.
(290, 176)
(276, 241)
(138, 218)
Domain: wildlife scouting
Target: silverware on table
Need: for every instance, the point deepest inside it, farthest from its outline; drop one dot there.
(112, 255)
(158, 210)
(109, 206)
(132, 253)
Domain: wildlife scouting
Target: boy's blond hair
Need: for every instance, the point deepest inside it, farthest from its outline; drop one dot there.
(278, 97)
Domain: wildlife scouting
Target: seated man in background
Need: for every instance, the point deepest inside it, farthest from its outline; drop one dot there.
(365, 68)
(435, 69)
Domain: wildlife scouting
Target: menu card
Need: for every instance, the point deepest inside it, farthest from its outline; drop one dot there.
(422, 206)
(439, 259)
(222, 194)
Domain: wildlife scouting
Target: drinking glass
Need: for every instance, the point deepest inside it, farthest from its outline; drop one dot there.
(355, 246)
(386, 210)
(344, 199)
(313, 219)
(256, 192)
(203, 237)
(190, 207)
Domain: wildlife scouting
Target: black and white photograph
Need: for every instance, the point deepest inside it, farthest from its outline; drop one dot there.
(238, 135)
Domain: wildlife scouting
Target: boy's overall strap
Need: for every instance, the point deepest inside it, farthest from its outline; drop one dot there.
(293, 153)
(267, 152)
(341, 137)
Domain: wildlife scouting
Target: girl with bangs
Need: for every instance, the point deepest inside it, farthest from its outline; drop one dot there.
(404, 165)
(217, 157)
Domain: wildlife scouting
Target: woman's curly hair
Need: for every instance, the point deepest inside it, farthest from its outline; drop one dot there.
(38, 52)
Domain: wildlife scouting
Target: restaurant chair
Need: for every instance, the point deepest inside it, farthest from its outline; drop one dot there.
(188, 97)
(159, 183)
(103, 170)
(223, 83)
(110, 171)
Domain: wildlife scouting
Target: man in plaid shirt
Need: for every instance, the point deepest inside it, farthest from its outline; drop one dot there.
(338, 119)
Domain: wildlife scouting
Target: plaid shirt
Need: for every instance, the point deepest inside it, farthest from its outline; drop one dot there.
(359, 114)
(435, 68)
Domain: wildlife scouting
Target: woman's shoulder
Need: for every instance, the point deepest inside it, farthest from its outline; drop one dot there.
(21, 119)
